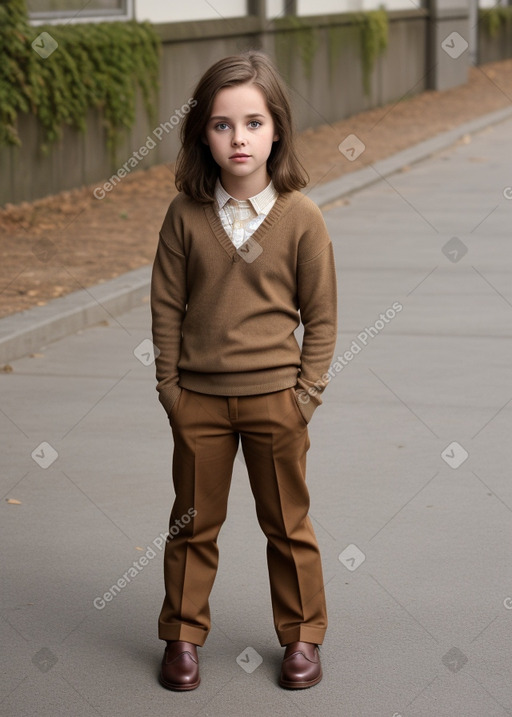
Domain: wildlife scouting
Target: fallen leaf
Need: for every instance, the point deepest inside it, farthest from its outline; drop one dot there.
(13, 501)
(6, 368)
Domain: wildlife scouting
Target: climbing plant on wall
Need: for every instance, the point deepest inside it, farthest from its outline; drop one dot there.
(89, 66)
(296, 36)
(373, 33)
(302, 41)
(495, 18)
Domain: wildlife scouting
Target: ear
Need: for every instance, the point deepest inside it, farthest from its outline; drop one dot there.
(204, 140)
(276, 138)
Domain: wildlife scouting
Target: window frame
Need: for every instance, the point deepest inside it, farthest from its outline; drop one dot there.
(63, 17)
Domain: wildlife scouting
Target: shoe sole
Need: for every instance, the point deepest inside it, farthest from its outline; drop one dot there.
(300, 685)
(179, 688)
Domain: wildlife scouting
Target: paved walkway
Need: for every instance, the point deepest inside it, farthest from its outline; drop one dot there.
(409, 473)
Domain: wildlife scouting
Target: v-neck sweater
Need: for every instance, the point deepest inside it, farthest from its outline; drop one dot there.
(223, 319)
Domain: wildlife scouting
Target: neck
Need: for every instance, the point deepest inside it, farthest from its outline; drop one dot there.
(244, 187)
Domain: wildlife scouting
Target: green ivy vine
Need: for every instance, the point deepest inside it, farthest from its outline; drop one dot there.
(374, 35)
(495, 18)
(371, 26)
(303, 35)
(336, 40)
(95, 66)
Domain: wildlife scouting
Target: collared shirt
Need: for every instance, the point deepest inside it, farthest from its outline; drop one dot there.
(241, 217)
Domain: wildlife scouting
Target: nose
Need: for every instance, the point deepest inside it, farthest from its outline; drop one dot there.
(238, 139)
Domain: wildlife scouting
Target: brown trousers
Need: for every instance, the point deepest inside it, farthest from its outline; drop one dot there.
(275, 440)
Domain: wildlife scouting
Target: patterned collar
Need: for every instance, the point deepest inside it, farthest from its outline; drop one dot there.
(259, 202)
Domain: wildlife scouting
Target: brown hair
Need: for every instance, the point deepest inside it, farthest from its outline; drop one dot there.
(196, 170)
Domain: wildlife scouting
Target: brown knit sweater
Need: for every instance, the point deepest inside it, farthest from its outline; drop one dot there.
(223, 319)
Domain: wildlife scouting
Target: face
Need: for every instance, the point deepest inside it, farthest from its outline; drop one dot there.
(240, 133)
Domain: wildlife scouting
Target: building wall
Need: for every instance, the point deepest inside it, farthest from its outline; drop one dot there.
(493, 49)
(331, 88)
(325, 94)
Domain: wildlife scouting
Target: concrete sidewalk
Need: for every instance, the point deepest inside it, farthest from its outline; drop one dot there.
(408, 473)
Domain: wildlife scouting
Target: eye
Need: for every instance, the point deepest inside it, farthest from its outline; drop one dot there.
(221, 126)
(254, 124)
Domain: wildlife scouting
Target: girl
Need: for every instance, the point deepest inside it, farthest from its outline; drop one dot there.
(241, 253)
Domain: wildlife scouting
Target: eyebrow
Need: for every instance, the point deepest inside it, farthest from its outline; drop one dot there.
(254, 114)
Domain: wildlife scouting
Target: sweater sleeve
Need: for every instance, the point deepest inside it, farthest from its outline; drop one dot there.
(168, 308)
(317, 295)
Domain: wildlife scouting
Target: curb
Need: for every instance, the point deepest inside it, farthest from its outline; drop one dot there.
(331, 191)
(27, 331)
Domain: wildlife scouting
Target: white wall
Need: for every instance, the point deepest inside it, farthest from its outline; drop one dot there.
(159, 11)
(321, 7)
(275, 8)
(325, 7)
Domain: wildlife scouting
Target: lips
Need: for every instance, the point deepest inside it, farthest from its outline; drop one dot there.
(240, 156)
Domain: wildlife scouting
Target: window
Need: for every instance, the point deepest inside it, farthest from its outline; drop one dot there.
(157, 11)
(321, 7)
(58, 11)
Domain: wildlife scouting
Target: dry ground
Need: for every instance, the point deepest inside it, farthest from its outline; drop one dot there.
(69, 241)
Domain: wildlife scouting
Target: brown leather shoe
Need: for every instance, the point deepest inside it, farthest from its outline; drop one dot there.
(180, 666)
(301, 666)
